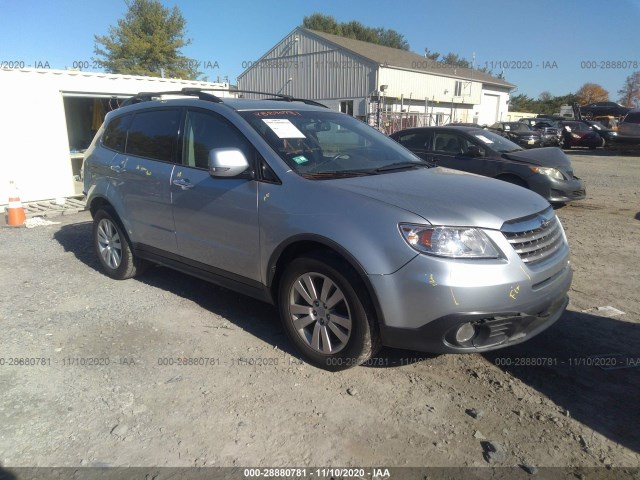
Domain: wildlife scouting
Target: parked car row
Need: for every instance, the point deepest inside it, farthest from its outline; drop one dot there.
(571, 133)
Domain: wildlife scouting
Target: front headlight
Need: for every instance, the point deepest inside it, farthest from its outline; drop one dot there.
(452, 242)
(549, 172)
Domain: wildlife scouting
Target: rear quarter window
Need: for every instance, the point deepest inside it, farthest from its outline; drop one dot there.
(154, 134)
(115, 135)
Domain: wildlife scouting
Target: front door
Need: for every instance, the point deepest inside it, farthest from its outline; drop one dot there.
(451, 150)
(216, 219)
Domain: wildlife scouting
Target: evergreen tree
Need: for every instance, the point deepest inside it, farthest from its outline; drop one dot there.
(147, 41)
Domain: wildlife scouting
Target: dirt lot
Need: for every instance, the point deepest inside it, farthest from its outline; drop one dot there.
(256, 404)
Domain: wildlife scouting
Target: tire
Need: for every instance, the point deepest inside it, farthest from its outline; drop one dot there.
(112, 247)
(331, 323)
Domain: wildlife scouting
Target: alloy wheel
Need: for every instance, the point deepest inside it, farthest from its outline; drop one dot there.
(320, 313)
(109, 244)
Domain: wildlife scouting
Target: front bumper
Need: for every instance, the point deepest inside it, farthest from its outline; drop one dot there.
(530, 143)
(494, 330)
(424, 303)
(551, 140)
(557, 191)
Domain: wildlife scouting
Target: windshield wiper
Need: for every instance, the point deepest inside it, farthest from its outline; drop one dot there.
(401, 166)
(337, 174)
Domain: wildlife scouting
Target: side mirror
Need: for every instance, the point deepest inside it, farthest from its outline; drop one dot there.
(227, 162)
(475, 151)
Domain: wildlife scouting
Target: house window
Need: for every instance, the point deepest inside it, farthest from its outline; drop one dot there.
(346, 106)
(458, 89)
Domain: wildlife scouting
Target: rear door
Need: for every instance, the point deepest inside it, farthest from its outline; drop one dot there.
(216, 219)
(142, 175)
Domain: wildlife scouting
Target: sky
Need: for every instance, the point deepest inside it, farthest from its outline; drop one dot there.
(541, 45)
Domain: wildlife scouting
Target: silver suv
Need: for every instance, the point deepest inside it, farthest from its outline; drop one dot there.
(358, 241)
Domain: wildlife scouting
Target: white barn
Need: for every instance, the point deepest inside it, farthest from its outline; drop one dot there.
(49, 117)
(387, 86)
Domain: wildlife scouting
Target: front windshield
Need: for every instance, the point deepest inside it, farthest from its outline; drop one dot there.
(518, 127)
(496, 142)
(325, 143)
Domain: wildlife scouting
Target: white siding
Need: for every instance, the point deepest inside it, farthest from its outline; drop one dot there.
(34, 147)
(420, 85)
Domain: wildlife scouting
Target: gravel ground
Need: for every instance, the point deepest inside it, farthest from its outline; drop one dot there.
(256, 404)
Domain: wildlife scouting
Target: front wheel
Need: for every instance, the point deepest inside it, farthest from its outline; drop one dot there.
(324, 310)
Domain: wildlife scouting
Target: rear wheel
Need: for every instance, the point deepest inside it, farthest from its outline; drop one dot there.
(112, 247)
(325, 311)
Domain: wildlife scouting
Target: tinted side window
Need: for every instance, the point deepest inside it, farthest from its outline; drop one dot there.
(205, 131)
(415, 141)
(451, 144)
(154, 134)
(115, 135)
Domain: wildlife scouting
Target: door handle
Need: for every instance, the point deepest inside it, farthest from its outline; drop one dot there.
(183, 183)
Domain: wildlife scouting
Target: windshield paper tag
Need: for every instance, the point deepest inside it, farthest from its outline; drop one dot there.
(283, 128)
(484, 139)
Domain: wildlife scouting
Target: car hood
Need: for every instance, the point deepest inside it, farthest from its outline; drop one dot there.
(545, 157)
(448, 197)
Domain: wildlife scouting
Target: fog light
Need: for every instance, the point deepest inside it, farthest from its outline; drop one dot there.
(465, 333)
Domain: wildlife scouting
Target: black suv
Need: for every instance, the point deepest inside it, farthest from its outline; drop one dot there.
(547, 128)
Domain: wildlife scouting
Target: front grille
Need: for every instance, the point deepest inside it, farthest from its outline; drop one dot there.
(578, 193)
(535, 238)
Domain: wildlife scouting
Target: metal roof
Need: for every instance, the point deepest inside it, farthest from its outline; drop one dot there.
(394, 57)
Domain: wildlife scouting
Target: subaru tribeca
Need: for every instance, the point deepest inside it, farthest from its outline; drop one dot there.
(358, 241)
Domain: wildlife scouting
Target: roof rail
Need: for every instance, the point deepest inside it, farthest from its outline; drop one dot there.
(278, 96)
(194, 92)
(203, 94)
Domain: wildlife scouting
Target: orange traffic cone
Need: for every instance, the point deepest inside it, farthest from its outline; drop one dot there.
(15, 212)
